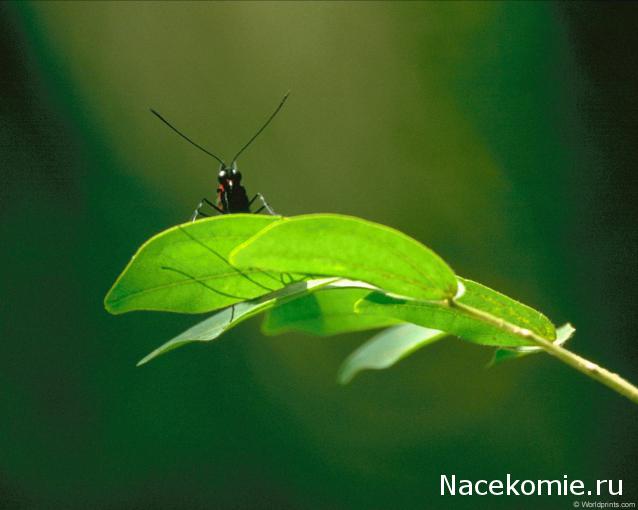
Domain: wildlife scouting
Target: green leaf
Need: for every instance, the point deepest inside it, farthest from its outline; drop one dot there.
(456, 321)
(185, 269)
(329, 311)
(505, 308)
(563, 333)
(334, 245)
(387, 348)
(214, 326)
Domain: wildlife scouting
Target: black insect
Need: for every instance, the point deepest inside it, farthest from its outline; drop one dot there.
(231, 195)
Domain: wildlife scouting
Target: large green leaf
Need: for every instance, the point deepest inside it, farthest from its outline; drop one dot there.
(334, 245)
(222, 321)
(386, 348)
(457, 321)
(329, 311)
(185, 269)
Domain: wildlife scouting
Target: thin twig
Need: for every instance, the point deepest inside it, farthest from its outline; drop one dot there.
(589, 368)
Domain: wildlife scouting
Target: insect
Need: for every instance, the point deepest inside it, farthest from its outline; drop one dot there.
(231, 194)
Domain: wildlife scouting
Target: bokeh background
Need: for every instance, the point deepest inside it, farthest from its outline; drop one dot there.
(503, 135)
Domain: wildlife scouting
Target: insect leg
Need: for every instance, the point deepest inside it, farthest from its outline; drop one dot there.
(264, 205)
(225, 261)
(197, 212)
(204, 284)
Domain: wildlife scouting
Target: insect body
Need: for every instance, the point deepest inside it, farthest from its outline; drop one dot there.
(231, 194)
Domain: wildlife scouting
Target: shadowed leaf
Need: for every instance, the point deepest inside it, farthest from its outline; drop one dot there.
(214, 326)
(329, 311)
(386, 348)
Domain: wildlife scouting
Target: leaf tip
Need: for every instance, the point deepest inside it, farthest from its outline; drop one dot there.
(110, 302)
(145, 360)
(108, 307)
(345, 375)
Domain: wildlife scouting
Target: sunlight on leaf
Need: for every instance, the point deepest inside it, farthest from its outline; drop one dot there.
(334, 245)
(376, 277)
(185, 269)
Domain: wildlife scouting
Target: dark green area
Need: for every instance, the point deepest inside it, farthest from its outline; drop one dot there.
(500, 134)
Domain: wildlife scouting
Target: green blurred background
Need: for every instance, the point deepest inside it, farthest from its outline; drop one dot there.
(502, 135)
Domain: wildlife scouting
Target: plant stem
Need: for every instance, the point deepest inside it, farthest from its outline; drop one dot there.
(590, 369)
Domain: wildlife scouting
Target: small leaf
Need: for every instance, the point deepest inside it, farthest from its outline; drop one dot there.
(214, 326)
(563, 333)
(456, 321)
(504, 307)
(386, 348)
(329, 311)
(185, 269)
(334, 245)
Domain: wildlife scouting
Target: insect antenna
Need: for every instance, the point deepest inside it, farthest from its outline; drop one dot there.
(188, 139)
(272, 116)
